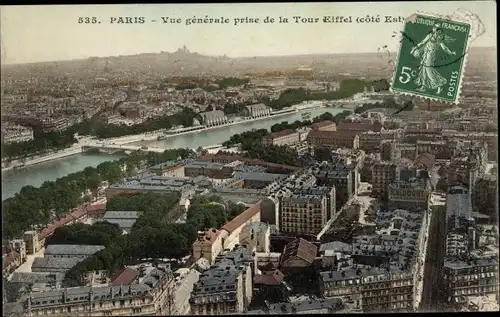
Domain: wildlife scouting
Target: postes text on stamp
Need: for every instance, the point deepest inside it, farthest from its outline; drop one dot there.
(431, 58)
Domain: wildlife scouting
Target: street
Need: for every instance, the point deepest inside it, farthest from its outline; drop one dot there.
(434, 261)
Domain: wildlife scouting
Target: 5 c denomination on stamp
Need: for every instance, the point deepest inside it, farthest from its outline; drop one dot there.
(431, 58)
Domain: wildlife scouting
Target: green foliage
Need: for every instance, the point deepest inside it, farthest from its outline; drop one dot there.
(33, 206)
(110, 259)
(184, 117)
(235, 210)
(100, 233)
(322, 154)
(169, 155)
(231, 82)
(41, 143)
(245, 136)
(348, 88)
(388, 103)
(234, 108)
(271, 153)
(156, 208)
(150, 239)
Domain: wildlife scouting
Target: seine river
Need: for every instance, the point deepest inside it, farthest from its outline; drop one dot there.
(14, 180)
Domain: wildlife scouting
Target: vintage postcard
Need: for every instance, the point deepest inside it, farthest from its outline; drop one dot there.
(249, 158)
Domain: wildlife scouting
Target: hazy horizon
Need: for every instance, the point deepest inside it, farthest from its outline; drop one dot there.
(232, 57)
(28, 38)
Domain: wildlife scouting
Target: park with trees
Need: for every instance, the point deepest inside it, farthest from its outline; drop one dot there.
(154, 235)
(36, 207)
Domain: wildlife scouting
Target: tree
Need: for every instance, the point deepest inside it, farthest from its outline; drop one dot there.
(322, 154)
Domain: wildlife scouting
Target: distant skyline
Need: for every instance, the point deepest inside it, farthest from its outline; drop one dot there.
(52, 33)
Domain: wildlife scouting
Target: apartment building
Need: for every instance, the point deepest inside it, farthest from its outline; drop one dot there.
(370, 141)
(152, 295)
(371, 289)
(359, 127)
(169, 169)
(54, 124)
(15, 133)
(388, 150)
(285, 137)
(472, 277)
(208, 245)
(304, 214)
(257, 180)
(486, 192)
(225, 288)
(334, 139)
(232, 231)
(442, 150)
(383, 174)
(409, 194)
(340, 176)
(325, 125)
(458, 203)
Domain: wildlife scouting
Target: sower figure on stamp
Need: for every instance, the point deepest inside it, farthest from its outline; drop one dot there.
(428, 77)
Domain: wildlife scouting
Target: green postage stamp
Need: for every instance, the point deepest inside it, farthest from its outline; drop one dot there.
(431, 58)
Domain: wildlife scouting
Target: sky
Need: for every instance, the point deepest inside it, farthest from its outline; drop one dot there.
(52, 33)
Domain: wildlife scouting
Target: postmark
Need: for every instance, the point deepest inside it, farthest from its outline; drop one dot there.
(431, 58)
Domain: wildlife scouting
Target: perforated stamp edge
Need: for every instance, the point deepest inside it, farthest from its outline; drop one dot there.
(463, 68)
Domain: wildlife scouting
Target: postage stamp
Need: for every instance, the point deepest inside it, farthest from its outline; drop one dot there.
(431, 58)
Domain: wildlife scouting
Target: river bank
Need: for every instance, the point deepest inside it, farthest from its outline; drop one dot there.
(35, 175)
(150, 136)
(15, 165)
(161, 135)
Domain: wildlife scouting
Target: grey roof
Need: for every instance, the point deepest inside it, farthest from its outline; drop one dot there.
(72, 249)
(34, 277)
(257, 107)
(208, 165)
(332, 304)
(125, 224)
(336, 246)
(215, 114)
(456, 264)
(352, 274)
(55, 263)
(82, 294)
(257, 176)
(111, 214)
(164, 164)
(222, 276)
